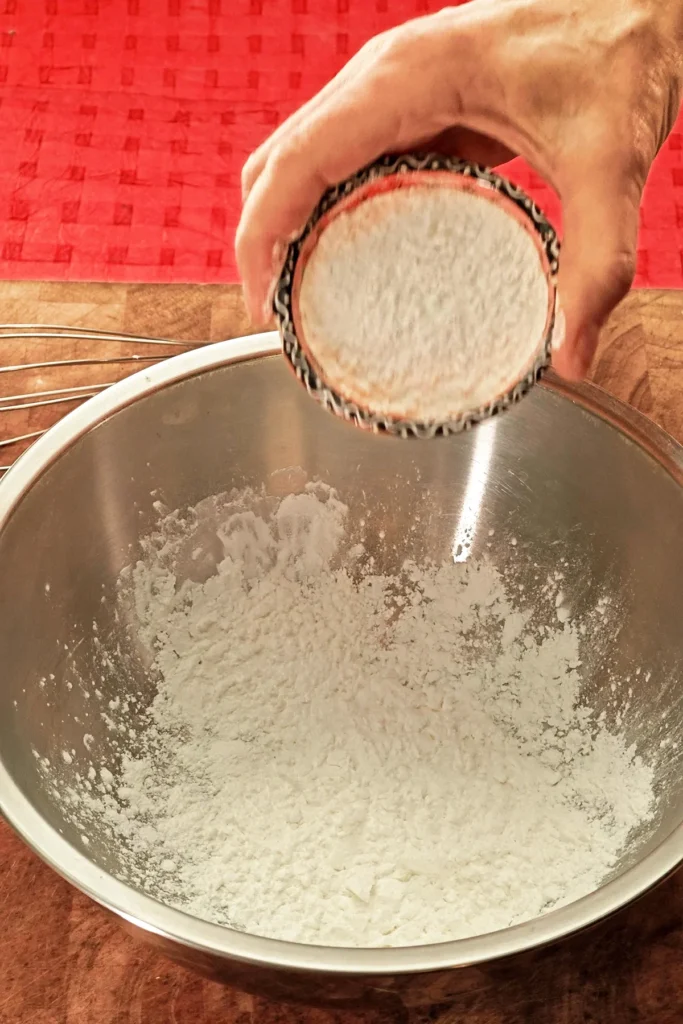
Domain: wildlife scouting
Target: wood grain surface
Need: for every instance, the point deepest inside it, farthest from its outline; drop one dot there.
(64, 961)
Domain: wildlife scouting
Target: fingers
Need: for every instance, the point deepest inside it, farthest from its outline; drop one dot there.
(392, 95)
(261, 245)
(598, 258)
(347, 133)
(259, 158)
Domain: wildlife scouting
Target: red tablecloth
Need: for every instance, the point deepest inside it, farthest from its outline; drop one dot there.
(125, 123)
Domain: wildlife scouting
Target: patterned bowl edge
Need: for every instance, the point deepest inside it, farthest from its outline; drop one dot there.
(327, 396)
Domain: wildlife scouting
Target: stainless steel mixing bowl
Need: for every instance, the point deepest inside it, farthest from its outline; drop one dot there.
(567, 474)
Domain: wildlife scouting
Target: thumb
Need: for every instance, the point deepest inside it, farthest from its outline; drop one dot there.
(597, 263)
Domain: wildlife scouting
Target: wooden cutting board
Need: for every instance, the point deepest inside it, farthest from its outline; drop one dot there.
(64, 961)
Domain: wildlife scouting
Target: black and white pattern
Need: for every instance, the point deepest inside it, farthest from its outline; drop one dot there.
(282, 301)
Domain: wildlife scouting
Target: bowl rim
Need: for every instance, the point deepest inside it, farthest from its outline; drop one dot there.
(158, 919)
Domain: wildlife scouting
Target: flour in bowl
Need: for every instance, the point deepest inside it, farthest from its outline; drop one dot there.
(340, 757)
(423, 303)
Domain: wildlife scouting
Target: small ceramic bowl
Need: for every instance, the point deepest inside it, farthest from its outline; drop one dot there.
(392, 172)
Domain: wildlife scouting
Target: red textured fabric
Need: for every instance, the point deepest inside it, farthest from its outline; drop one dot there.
(124, 125)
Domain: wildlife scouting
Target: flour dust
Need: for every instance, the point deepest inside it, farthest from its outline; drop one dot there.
(343, 757)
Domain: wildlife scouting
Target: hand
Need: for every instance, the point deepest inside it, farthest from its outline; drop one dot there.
(585, 90)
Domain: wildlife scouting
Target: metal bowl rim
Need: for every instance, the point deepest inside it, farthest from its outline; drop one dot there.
(174, 925)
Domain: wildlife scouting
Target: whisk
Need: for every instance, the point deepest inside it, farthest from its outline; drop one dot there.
(45, 369)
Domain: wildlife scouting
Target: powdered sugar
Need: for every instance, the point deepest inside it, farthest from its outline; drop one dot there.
(343, 757)
(423, 303)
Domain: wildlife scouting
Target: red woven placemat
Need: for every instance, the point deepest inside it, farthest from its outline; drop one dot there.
(124, 125)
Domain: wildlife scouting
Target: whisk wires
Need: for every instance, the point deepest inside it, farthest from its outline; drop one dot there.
(48, 369)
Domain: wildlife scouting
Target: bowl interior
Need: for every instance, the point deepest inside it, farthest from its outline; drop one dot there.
(361, 189)
(420, 179)
(555, 482)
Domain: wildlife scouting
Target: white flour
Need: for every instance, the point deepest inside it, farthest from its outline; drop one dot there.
(423, 303)
(351, 759)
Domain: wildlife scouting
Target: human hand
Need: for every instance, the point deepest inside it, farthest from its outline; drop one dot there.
(585, 90)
